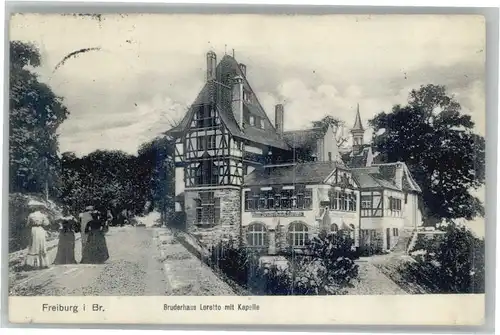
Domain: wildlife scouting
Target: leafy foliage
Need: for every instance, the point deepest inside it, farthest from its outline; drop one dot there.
(336, 123)
(19, 235)
(450, 263)
(35, 113)
(436, 141)
(326, 268)
(119, 181)
(156, 162)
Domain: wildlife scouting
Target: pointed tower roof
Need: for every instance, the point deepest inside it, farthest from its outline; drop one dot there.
(227, 69)
(357, 123)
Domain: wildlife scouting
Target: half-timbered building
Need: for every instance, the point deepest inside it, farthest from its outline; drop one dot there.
(237, 174)
(224, 135)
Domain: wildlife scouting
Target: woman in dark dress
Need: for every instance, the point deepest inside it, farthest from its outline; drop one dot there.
(66, 247)
(96, 250)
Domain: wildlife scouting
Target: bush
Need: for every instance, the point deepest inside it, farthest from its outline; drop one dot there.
(450, 263)
(237, 263)
(19, 234)
(326, 267)
(330, 268)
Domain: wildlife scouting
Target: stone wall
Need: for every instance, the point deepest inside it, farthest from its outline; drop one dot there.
(230, 201)
(229, 225)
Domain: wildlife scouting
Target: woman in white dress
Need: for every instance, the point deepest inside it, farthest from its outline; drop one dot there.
(38, 222)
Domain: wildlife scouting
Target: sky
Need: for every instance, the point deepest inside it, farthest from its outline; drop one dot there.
(151, 67)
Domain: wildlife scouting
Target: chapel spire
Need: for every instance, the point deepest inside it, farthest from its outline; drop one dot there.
(357, 122)
(358, 133)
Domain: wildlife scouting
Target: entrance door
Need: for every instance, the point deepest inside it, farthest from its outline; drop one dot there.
(388, 234)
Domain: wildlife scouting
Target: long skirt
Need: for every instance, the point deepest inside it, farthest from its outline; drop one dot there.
(66, 248)
(95, 250)
(37, 251)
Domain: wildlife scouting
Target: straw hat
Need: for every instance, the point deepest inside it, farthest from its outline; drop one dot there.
(89, 208)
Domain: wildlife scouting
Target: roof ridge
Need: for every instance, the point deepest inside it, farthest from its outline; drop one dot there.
(304, 129)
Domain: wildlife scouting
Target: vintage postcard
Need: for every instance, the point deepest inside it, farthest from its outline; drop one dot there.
(247, 169)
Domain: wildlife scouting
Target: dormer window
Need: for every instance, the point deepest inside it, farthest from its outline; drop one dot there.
(252, 120)
(246, 96)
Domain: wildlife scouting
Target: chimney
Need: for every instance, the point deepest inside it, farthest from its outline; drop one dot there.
(237, 100)
(211, 65)
(279, 119)
(243, 69)
(399, 175)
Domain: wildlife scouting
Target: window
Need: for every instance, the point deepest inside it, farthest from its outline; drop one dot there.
(335, 200)
(297, 234)
(205, 116)
(329, 156)
(278, 198)
(250, 203)
(211, 142)
(334, 228)
(300, 199)
(200, 143)
(256, 235)
(262, 201)
(342, 201)
(366, 202)
(352, 202)
(252, 120)
(270, 199)
(285, 199)
(307, 199)
(395, 204)
(262, 123)
(207, 173)
(395, 231)
(207, 209)
(246, 96)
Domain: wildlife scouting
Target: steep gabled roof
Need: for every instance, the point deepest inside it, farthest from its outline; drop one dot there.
(286, 174)
(304, 137)
(388, 170)
(384, 176)
(371, 178)
(220, 92)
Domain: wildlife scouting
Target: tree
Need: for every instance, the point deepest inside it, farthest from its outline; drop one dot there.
(437, 142)
(337, 125)
(452, 263)
(156, 157)
(102, 179)
(35, 113)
